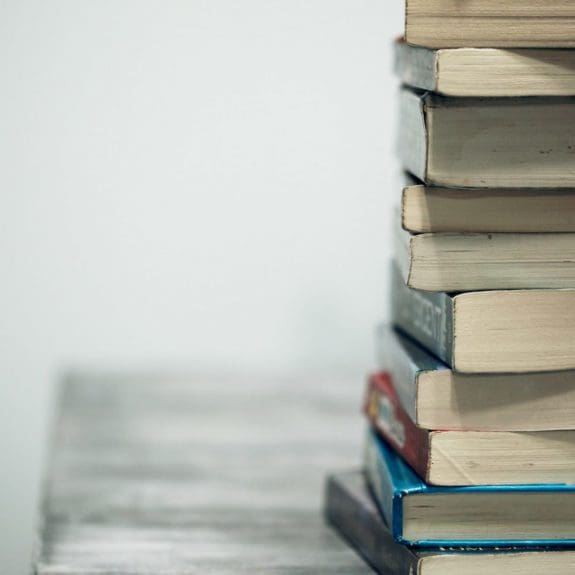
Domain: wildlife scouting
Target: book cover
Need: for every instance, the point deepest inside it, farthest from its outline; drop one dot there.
(386, 414)
(425, 316)
(404, 360)
(349, 507)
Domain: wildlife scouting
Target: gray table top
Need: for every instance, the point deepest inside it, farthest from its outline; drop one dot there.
(182, 476)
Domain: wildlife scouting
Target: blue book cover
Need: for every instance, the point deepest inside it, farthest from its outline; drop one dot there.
(392, 482)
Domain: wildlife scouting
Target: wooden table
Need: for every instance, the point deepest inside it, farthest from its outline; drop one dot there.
(182, 476)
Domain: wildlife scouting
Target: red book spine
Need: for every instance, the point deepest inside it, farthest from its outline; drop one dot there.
(387, 415)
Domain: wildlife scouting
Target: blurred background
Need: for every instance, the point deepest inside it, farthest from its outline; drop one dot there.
(186, 184)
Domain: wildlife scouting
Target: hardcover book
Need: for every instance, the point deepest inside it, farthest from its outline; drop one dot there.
(511, 331)
(443, 457)
(350, 508)
(486, 516)
(436, 397)
(488, 142)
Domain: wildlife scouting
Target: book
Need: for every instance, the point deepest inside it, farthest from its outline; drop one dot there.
(429, 209)
(455, 262)
(349, 507)
(436, 397)
(501, 331)
(491, 23)
(488, 516)
(488, 142)
(443, 457)
(486, 71)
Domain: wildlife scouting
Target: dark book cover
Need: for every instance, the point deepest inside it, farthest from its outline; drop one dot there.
(426, 316)
(349, 507)
(405, 361)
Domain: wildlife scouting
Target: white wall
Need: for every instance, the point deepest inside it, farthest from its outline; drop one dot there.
(185, 182)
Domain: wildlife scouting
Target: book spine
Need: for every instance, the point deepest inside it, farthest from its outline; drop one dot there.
(415, 66)
(393, 358)
(412, 140)
(402, 250)
(358, 521)
(381, 485)
(385, 412)
(425, 316)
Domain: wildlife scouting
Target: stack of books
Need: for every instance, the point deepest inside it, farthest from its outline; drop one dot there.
(470, 455)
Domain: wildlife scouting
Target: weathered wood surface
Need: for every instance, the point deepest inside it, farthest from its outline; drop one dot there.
(158, 476)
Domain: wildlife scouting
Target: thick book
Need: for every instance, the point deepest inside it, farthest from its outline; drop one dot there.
(457, 262)
(486, 71)
(487, 516)
(436, 397)
(501, 331)
(443, 457)
(431, 209)
(349, 507)
(488, 142)
(490, 23)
